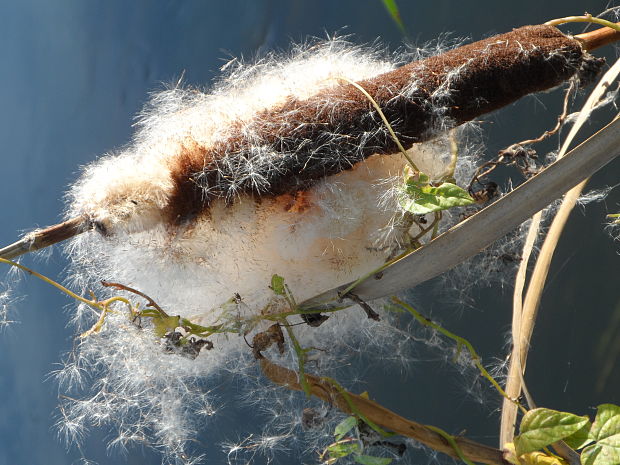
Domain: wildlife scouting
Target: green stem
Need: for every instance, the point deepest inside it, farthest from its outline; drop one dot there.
(385, 121)
(460, 342)
(91, 303)
(452, 442)
(301, 357)
(357, 412)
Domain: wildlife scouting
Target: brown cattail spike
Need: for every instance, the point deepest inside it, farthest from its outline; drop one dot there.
(336, 128)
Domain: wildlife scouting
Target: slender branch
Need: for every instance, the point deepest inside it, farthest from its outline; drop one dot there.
(460, 342)
(593, 39)
(326, 391)
(452, 442)
(150, 301)
(513, 388)
(385, 121)
(93, 303)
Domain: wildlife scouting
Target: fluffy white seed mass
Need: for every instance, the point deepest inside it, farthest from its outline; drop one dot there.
(325, 236)
(218, 267)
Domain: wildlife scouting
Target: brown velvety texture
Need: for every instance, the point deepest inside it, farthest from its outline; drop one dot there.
(307, 140)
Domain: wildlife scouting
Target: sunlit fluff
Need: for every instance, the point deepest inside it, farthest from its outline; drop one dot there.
(218, 268)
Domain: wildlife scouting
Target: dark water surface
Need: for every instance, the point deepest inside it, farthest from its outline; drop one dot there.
(75, 73)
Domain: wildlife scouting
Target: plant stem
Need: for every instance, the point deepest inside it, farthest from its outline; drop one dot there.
(382, 416)
(588, 18)
(529, 308)
(92, 303)
(461, 342)
(45, 237)
(385, 121)
(598, 38)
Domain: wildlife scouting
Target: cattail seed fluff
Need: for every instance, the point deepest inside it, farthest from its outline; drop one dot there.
(281, 168)
(229, 235)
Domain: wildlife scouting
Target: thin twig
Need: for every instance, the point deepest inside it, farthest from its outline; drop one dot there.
(504, 157)
(151, 302)
(381, 416)
(460, 342)
(384, 119)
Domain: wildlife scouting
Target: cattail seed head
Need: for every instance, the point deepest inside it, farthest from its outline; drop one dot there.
(281, 168)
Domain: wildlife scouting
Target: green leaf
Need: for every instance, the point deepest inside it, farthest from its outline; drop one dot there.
(370, 460)
(342, 449)
(344, 427)
(606, 432)
(164, 324)
(417, 180)
(423, 198)
(277, 285)
(392, 9)
(541, 427)
(579, 438)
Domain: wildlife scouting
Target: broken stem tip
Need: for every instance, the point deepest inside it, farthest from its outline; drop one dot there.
(41, 238)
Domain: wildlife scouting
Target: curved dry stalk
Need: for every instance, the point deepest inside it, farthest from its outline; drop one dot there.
(524, 316)
(471, 236)
(381, 416)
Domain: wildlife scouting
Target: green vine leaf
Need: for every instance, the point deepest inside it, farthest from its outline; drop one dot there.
(277, 285)
(344, 427)
(370, 460)
(342, 449)
(540, 458)
(580, 438)
(541, 427)
(421, 197)
(163, 324)
(531, 458)
(606, 432)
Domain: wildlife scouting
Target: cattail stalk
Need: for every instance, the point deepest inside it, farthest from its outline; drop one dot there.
(419, 99)
(264, 175)
(42, 238)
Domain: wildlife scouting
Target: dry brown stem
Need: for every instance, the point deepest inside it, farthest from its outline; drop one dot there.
(382, 416)
(45, 237)
(598, 38)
